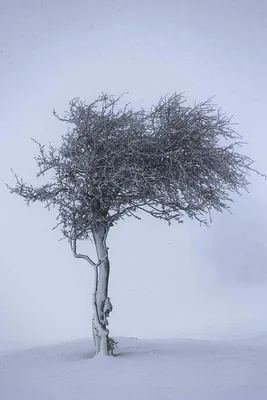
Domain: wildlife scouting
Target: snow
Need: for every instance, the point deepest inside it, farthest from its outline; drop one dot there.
(155, 369)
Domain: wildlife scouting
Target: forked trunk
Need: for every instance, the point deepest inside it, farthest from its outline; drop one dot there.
(101, 302)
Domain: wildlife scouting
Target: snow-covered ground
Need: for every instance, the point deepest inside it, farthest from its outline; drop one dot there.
(157, 370)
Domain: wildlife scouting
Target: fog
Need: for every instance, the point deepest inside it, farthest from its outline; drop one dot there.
(177, 281)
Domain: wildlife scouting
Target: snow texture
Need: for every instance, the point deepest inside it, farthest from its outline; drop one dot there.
(156, 370)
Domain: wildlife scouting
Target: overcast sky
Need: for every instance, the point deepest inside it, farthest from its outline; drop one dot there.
(165, 281)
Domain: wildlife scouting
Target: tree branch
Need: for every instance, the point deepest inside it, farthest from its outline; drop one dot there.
(73, 245)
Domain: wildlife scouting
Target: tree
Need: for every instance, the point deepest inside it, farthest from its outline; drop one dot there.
(171, 161)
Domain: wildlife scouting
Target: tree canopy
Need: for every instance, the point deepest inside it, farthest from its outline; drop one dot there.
(171, 161)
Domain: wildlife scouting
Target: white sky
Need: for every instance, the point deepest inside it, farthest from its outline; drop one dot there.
(165, 281)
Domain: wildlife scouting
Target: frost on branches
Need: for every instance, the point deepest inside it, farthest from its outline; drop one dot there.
(171, 161)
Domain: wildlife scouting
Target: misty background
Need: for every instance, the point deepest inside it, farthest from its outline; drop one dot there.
(177, 281)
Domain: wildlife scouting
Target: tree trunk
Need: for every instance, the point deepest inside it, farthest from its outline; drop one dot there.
(101, 302)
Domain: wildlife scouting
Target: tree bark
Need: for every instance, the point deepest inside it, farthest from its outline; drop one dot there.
(101, 302)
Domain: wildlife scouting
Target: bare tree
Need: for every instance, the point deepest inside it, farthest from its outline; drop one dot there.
(171, 161)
